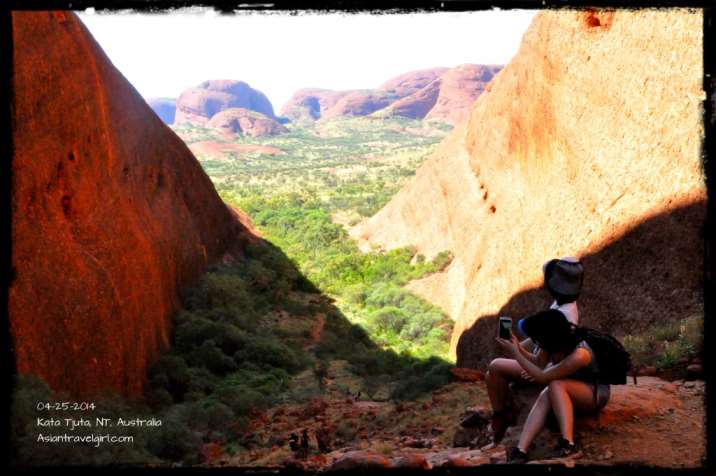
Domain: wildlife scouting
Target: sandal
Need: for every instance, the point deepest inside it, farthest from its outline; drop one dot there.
(516, 456)
(565, 449)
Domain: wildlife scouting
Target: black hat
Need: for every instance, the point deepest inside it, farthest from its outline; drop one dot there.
(564, 276)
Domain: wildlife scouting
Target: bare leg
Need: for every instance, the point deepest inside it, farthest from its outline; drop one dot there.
(501, 372)
(535, 420)
(565, 396)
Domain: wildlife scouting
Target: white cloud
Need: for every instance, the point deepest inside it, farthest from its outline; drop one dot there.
(278, 53)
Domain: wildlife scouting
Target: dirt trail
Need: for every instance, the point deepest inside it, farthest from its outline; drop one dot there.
(655, 423)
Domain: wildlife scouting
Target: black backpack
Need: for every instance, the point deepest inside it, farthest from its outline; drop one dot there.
(613, 361)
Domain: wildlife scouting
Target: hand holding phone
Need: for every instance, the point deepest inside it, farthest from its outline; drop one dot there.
(505, 328)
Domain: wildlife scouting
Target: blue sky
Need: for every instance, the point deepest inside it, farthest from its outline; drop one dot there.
(278, 53)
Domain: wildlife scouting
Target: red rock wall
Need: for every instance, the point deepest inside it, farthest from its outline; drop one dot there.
(589, 138)
(112, 215)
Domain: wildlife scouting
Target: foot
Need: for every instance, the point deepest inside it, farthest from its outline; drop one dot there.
(516, 456)
(501, 420)
(566, 449)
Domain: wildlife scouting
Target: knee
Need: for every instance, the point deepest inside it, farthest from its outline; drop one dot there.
(495, 369)
(498, 365)
(555, 387)
(494, 366)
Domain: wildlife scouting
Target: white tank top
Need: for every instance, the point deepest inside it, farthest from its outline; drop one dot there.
(569, 310)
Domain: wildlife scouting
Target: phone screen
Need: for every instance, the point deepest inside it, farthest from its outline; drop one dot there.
(505, 327)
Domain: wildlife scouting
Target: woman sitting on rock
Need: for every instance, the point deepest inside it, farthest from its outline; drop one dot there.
(563, 279)
(571, 362)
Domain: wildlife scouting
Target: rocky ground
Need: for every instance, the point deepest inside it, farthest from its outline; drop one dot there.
(656, 423)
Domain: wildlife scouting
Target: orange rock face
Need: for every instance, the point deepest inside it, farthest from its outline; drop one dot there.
(111, 215)
(586, 144)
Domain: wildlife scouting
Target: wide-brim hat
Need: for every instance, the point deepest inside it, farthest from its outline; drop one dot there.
(564, 275)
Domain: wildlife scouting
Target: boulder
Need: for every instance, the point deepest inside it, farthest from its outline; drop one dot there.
(467, 375)
(410, 461)
(359, 460)
(198, 105)
(245, 122)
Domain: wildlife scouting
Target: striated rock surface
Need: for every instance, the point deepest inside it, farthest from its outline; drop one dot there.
(164, 107)
(459, 88)
(111, 215)
(198, 105)
(245, 122)
(586, 144)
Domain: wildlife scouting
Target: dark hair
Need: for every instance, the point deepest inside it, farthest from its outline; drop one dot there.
(560, 298)
(551, 331)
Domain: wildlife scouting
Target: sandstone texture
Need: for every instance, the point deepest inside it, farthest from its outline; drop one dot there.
(198, 105)
(586, 144)
(112, 216)
(245, 122)
(164, 107)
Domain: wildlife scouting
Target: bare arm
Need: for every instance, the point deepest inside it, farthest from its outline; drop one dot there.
(573, 362)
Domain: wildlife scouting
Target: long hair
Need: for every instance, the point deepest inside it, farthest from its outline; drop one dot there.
(551, 331)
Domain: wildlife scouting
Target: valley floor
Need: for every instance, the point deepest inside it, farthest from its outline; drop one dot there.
(654, 423)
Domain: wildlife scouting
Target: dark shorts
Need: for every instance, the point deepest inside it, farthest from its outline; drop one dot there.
(603, 393)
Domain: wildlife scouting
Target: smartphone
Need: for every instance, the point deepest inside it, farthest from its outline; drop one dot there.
(505, 327)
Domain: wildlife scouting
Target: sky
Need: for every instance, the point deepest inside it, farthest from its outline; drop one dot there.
(278, 53)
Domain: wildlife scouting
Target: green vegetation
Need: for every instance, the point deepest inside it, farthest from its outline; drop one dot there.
(249, 333)
(351, 164)
(667, 345)
(331, 174)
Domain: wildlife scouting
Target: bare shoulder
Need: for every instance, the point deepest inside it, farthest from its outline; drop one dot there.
(581, 356)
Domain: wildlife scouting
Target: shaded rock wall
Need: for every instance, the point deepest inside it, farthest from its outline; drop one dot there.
(592, 129)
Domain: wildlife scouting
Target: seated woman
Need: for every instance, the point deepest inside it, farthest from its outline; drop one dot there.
(570, 363)
(563, 279)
